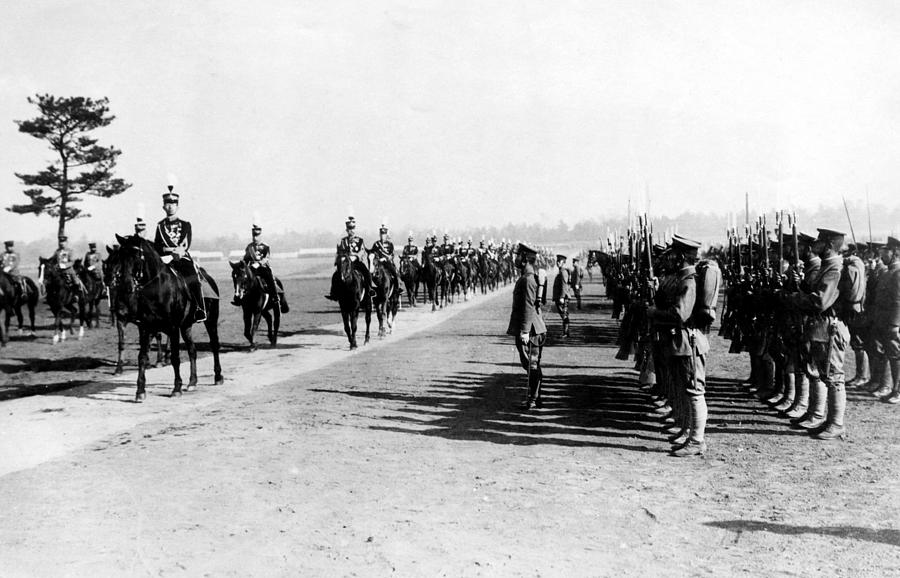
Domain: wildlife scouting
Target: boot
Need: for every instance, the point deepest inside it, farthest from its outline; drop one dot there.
(696, 444)
(818, 397)
(777, 394)
(787, 398)
(886, 378)
(766, 375)
(566, 327)
(801, 397)
(862, 369)
(894, 397)
(837, 404)
(282, 302)
(878, 366)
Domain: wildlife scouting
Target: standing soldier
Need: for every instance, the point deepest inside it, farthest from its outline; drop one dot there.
(256, 256)
(561, 293)
(826, 337)
(853, 285)
(577, 280)
(879, 370)
(886, 323)
(684, 348)
(527, 325)
(353, 248)
(173, 239)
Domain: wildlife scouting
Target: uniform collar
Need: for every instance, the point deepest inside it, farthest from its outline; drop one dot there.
(687, 271)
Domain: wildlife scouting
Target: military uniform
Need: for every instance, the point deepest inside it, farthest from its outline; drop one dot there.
(173, 239)
(683, 347)
(577, 281)
(826, 338)
(383, 250)
(561, 293)
(354, 248)
(410, 250)
(256, 256)
(887, 324)
(527, 325)
(93, 262)
(63, 258)
(879, 367)
(9, 263)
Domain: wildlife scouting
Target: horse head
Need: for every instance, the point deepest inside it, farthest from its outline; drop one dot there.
(136, 263)
(346, 267)
(243, 277)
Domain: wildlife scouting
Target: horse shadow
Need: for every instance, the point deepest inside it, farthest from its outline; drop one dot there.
(887, 536)
(41, 365)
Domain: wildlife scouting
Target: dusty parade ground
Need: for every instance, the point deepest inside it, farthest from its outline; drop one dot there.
(411, 457)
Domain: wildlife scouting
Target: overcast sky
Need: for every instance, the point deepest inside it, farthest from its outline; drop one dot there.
(460, 112)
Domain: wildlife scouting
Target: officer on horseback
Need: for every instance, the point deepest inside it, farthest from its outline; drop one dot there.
(63, 258)
(411, 249)
(383, 249)
(9, 262)
(140, 228)
(353, 248)
(93, 261)
(173, 239)
(256, 256)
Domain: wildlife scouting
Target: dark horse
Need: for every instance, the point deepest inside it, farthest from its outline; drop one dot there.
(411, 274)
(25, 293)
(256, 302)
(7, 295)
(93, 293)
(433, 276)
(111, 282)
(386, 299)
(155, 298)
(353, 294)
(62, 297)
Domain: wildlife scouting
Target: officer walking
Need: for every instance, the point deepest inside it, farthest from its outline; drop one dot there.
(527, 325)
(173, 240)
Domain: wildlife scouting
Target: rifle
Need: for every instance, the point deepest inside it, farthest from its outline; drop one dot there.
(846, 210)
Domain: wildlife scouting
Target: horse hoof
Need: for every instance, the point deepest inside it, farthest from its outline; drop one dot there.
(353, 346)
(191, 387)
(219, 380)
(55, 338)
(139, 398)
(176, 393)
(118, 371)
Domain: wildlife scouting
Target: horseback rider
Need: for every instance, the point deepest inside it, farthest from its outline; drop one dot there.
(411, 249)
(9, 262)
(63, 258)
(447, 247)
(173, 240)
(140, 228)
(256, 256)
(93, 261)
(354, 248)
(383, 249)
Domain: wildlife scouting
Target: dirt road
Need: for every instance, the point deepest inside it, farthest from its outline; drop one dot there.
(412, 458)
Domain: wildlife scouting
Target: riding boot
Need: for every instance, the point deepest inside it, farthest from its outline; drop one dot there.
(282, 302)
(787, 399)
(862, 368)
(801, 398)
(335, 286)
(197, 296)
(878, 365)
(837, 404)
(565, 328)
(894, 397)
(696, 443)
(777, 394)
(885, 377)
(766, 378)
(818, 397)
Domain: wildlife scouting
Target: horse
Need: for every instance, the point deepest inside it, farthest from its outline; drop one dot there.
(386, 298)
(25, 292)
(433, 275)
(411, 274)
(448, 278)
(256, 302)
(93, 293)
(111, 282)
(461, 279)
(62, 297)
(353, 295)
(155, 298)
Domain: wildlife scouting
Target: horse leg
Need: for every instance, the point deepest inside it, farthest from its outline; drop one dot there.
(120, 330)
(188, 338)
(368, 319)
(175, 347)
(212, 329)
(350, 328)
(274, 325)
(143, 357)
(248, 327)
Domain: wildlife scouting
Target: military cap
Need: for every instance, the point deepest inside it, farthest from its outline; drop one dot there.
(574, 259)
(62, 238)
(827, 234)
(851, 246)
(9, 243)
(524, 249)
(892, 243)
(684, 245)
(561, 258)
(350, 222)
(804, 238)
(170, 196)
(92, 245)
(410, 236)
(139, 225)
(446, 236)
(875, 245)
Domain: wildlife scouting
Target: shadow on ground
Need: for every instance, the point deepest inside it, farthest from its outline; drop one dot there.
(883, 536)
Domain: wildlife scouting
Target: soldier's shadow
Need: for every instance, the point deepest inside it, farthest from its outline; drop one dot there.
(883, 536)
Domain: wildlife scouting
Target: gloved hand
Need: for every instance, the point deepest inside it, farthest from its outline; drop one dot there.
(523, 337)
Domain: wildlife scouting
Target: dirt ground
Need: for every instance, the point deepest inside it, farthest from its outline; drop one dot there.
(411, 457)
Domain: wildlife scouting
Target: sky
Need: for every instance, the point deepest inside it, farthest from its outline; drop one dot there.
(461, 112)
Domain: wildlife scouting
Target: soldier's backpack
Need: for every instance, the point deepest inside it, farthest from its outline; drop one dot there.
(709, 280)
(851, 287)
